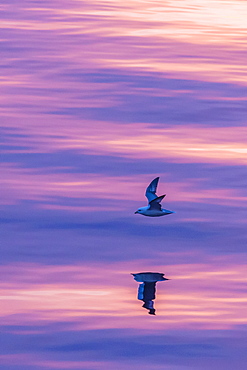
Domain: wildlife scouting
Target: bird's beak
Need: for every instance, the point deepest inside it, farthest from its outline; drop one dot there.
(136, 212)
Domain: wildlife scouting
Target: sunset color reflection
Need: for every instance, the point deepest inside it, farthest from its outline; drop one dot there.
(98, 98)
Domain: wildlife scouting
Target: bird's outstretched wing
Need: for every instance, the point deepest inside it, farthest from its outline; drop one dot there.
(155, 203)
(151, 190)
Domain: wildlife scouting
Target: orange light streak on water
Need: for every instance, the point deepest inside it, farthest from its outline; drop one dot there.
(180, 144)
(201, 29)
(204, 295)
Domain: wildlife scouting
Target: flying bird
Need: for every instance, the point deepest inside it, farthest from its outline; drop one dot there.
(154, 207)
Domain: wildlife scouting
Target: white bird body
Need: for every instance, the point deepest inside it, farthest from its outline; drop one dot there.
(154, 207)
(147, 211)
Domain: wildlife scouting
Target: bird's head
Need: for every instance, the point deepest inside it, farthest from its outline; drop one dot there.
(140, 210)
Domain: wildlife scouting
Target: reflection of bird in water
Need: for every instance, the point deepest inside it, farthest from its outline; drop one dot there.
(154, 207)
(146, 290)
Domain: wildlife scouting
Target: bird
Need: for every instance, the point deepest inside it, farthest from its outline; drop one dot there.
(154, 208)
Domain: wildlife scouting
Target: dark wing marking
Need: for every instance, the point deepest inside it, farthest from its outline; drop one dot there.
(151, 190)
(155, 203)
